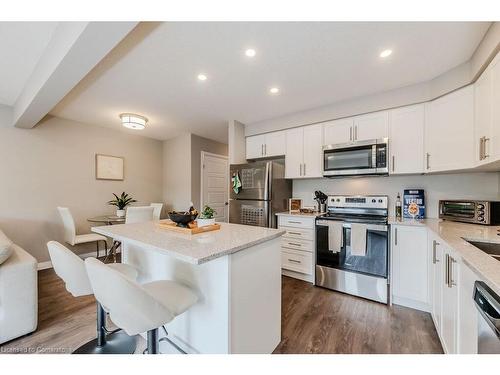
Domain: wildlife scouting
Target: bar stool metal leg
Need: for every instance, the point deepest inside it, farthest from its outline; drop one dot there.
(114, 342)
(153, 342)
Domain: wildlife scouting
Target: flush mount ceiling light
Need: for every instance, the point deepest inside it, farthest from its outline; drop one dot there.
(250, 52)
(133, 121)
(202, 77)
(386, 53)
(274, 90)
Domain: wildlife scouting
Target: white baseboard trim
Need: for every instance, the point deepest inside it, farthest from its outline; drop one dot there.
(48, 264)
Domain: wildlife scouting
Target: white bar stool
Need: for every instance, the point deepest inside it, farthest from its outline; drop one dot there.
(71, 269)
(138, 308)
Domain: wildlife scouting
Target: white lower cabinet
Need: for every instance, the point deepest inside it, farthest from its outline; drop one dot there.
(449, 286)
(298, 246)
(409, 281)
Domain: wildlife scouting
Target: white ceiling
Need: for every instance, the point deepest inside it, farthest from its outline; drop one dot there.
(22, 45)
(154, 71)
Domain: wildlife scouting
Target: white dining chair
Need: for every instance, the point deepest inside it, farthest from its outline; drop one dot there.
(73, 239)
(139, 214)
(157, 210)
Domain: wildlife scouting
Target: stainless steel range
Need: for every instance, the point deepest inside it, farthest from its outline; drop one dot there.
(352, 247)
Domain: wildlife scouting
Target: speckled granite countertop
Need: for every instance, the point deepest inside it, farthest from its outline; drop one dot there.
(196, 249)
(287, 213)
(455, 234)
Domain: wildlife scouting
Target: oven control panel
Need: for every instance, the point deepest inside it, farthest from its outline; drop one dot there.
(358, 201)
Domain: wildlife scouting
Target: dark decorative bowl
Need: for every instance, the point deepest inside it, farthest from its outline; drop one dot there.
(182, 219)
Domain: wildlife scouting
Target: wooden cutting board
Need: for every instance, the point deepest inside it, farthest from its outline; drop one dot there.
(170, 225)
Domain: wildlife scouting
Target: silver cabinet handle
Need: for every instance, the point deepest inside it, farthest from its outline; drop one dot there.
(427, 155)
(447, 270)
(294, 222)
(265, 149)
(294, 261)
(393, 160)
(452, 281)
(434, 245)
(485, 155)
(350, 133)
(296, 233)
(481, 148)
(295, 244)
(300, 169)
(305, 169)
(261, 150)
(355, 132)
(396, 236)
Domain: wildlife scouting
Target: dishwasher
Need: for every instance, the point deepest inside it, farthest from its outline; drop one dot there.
(488, 305)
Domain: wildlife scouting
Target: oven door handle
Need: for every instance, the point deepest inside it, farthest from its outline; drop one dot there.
(375, 227)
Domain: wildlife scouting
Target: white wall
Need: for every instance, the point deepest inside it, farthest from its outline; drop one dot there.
(54, 165)
(446, 186)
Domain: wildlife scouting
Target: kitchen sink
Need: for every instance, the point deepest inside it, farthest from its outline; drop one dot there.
(492, 249)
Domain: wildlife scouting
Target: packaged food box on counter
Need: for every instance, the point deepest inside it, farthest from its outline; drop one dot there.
(414, 204)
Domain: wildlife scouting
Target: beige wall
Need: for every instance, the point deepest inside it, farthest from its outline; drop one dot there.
(177, 172)
(199, 144)
(53, 164)
(182, 169)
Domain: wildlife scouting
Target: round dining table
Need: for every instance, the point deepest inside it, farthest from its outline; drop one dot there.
(109, 220)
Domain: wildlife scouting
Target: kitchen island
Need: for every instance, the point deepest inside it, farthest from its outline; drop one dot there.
(236, 272)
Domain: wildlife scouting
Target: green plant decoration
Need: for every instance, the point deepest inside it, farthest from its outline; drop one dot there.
(207, 213)
(121, 201)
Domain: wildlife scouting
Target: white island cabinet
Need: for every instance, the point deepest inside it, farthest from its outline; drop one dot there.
(236, 271)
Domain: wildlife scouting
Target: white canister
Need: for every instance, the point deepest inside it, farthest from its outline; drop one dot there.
(205, 222)
(120, 213)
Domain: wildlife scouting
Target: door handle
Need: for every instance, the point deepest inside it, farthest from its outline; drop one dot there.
(434, 244)
(295, 233)
(355, 132)
(350, 134)
(295, 244)
(262, 150)
(481, 148)
(294, 261)
(265, 149)
(446, 269)
(305, 169)
(396, 236)
(427, 155)
(393, 160)
(452, 281)
(300, 174)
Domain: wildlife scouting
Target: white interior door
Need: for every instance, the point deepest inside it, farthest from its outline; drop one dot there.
(214, 184)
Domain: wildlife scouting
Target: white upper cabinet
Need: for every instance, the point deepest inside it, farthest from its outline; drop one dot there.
(406, 140)
(487, 114)
(266, 145)
(371, 126)
(304, 152)
(449, 131)
(338, 131)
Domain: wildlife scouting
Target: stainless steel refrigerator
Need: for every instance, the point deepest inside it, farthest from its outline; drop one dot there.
(264, 191)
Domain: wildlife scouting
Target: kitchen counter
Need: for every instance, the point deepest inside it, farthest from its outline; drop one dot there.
(303, 214)
(235, 271)
(454, 234)
(195, 249)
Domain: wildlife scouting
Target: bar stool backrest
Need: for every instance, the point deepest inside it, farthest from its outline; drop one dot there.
(70, 268)
(129, 305)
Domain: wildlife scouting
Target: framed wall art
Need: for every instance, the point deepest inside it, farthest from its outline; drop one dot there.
(108, 167)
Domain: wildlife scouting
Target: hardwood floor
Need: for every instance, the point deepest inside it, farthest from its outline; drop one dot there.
(314, 320)
(317, 320)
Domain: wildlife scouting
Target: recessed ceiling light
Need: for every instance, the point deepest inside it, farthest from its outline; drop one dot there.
(202, 77)
(133, 121)
(250, 52)
(386, 53)
(274, 90)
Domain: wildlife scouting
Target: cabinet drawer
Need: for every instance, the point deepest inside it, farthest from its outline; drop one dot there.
(296, 222)
(297, 261)
(296, 244)
(298, 233)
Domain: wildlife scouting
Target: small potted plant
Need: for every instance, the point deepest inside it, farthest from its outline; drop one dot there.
(121, 202)
(206, 217)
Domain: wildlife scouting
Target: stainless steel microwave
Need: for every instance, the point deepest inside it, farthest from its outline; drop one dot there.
(356, 158)
(470, 211)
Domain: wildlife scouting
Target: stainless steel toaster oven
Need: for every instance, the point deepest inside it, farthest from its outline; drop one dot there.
(470, 211)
